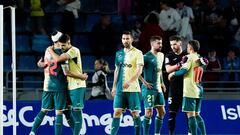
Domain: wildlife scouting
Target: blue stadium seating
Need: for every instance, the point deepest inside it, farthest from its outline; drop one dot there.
(6, 43)
(91, 21)
(56, 20)
(26, 62)
(108, 6)
(7, 63)
(111, 61)
(81, 42)
(22, 43)
(88, 62)
(31, 81)
(88, 5)
(80, 23)
(40, 43)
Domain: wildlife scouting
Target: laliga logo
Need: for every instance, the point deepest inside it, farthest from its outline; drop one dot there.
(88, 120)
(230, 113)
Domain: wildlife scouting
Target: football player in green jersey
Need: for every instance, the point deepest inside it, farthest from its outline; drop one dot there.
(75, 76)
(55, 86)
(153, 85)
(126, 88)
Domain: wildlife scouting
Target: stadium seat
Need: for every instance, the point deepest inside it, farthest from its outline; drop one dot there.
(108, 6)
(91, 21)
(56, 20)
(7, 62)
(88, 62)
(6, 43)
(22, 43)
(88, 5)
(111, 61)
(31, 81)
(40, 43)
(26, 62)
(81, 42)
(80, 23)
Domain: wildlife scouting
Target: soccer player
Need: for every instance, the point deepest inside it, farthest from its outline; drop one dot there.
(192, 89)
(76, 86)
(126, 88)
(173, 62)
(54, 90)
(153, 85)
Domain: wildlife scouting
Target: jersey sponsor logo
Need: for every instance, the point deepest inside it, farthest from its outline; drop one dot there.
(127, 65)
(231, 113)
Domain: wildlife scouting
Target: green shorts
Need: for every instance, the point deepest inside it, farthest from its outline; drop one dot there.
(152, 98)
(191, 104)
(77, 98)
(127, 100)
(51, 100)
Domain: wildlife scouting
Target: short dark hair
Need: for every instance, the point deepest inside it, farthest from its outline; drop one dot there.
(127, 33)
(154, 38)
(175, 37)
(195, 45)
(64, 38)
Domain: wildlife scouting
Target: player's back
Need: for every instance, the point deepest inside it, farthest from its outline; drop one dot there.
(54, 80)
(193, 77)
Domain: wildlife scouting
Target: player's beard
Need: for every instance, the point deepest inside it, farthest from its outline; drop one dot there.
(158, 49)
(126, 45)
(176, 50)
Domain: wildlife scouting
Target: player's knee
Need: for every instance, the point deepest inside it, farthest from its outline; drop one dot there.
(117, 113)
(190, 114)
(148, 113)
(197, 114)
(44, 110)
(59, 112)
(135, 114)
(161, 111)
(77, 109)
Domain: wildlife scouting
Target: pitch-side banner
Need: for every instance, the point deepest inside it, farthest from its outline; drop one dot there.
(221, 117)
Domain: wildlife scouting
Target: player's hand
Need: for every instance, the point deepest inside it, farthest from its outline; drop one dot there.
(113, 92)
(170, 76)
(148, 85)
(204, 61)
(125, 85)
(85, 76)
(41, 63)
(163, 87)
(184, 60)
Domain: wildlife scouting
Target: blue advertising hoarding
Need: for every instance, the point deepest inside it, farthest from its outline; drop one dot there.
(221, 117)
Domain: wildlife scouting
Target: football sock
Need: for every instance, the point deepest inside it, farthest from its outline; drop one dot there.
(192, 122)
(146, 125)
(37, 121)
(201, 124)
(158, 125)
(137, 125)
(77, 115)
(115, 126)
(58, 124)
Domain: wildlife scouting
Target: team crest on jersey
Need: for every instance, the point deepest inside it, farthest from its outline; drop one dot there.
(120, 56)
